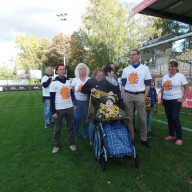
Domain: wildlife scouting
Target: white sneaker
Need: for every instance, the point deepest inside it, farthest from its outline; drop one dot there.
(55, 150)
(73, 147)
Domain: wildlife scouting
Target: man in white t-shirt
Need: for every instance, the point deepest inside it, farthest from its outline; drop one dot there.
(136, 81)
(45, 82)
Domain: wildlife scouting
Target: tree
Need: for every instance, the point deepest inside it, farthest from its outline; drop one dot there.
(44, 52)
(6, 73)
(105, 30)
(57, 48)
(170, 26)
(28, 58)
(111, 32)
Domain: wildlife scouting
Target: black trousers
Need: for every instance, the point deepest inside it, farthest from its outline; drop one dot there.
(172, 110)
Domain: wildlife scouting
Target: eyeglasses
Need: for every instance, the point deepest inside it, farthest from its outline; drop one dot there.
(133, 54)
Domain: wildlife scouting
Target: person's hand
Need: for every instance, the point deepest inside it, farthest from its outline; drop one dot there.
(100, 115)
(111, 93)
(55, 116)
(119, 115)
(181, 100)
(74, 107)
(93, 90)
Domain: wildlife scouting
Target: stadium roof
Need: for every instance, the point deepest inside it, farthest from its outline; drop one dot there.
(179, 10)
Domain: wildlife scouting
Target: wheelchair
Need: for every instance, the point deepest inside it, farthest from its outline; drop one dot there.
(111, 137)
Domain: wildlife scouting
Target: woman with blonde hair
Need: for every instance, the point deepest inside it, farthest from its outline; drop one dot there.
(81, 73)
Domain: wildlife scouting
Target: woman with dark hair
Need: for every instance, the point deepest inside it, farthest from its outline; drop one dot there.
(97, 82)
(172, 99)
(61, 96)
(109, 72)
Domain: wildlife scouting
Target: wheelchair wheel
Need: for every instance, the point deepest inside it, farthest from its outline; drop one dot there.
(103, 165)
(97, 144)
(137, 161)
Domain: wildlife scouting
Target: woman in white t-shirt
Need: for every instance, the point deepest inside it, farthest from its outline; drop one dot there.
(172, 99)
(81, 73)
(62, 102)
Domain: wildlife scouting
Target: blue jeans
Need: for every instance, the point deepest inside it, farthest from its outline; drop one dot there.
(148, 119)
(47, 112)
(81, 114)
(172, 110)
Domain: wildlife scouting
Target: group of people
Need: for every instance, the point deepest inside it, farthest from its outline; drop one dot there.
(68, 101)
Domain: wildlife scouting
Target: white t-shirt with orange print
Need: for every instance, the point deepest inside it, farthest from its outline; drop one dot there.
(77, 83)
(172, 86)
(136, 77)
(62, 97)
(46, 90)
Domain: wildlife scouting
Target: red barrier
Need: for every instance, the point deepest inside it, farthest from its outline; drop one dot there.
(187, 103)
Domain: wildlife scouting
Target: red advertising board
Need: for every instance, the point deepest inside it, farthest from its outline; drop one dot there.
(187, 103)
(141, 6)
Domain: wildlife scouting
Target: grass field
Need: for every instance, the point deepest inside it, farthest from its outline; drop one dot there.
(27, 164)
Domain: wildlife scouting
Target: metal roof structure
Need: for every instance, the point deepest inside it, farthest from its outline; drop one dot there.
(179, 10)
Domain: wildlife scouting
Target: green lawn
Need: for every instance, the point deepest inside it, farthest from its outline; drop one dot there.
(27, 164)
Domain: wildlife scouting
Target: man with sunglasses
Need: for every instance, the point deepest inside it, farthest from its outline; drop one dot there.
(136, 81)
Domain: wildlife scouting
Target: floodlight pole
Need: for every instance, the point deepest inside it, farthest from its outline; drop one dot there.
(63, 18)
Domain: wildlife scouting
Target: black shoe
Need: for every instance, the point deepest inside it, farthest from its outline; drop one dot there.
(146, 144)
(48, 126)
(151, 133)
(52, 123)
(148, 135)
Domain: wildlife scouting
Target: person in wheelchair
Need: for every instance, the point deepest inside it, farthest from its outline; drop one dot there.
(112, 137)
(110, 111)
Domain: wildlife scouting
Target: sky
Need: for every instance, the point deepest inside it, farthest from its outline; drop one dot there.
(37, 18)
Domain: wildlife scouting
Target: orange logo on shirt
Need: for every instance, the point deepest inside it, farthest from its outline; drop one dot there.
(65, 92)
(133, 78)
(79, 88)
(167, 85)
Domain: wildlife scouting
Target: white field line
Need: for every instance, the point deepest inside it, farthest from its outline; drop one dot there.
(184, 128)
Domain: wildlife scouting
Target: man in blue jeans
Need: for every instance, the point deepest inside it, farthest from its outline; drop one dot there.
(46, 81)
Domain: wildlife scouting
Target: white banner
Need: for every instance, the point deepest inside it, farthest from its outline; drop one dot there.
(29, 74)
(14, 82)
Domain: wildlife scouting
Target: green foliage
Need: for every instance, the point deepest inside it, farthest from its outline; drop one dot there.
(106, 30)
(34, 53)
(111, 31)
(28, 58)
(44, 52)
(57, 48)
(169, 26)
(6, 73)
